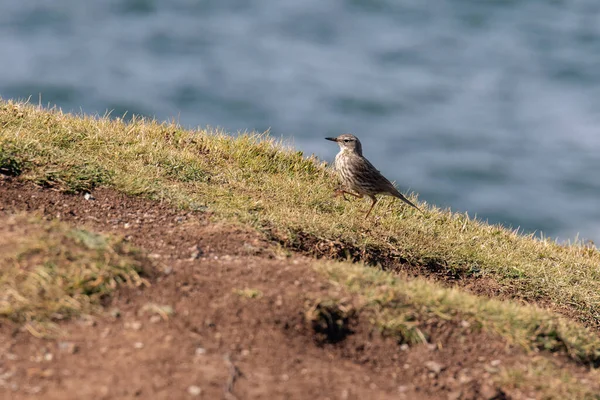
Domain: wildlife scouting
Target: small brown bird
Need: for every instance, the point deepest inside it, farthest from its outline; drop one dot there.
(359, 175)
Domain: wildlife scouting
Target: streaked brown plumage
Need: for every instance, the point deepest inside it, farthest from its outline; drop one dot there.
(359, 175)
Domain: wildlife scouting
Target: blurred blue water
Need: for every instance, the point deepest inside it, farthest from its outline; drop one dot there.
(489, 106)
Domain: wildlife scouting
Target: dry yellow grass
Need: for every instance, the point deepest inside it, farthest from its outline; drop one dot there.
(50, 272)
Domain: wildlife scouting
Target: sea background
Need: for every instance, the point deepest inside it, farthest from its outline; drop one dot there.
(490, 107)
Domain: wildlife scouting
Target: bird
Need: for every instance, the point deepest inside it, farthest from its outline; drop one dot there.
(359, 175)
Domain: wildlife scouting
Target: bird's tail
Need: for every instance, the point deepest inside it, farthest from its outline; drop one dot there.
(407, 201)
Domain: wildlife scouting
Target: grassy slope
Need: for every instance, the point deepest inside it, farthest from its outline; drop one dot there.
(254, 180)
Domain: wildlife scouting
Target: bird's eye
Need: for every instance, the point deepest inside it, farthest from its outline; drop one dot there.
(346, 140)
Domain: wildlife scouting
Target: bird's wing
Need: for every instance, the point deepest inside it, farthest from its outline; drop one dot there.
(384, 184)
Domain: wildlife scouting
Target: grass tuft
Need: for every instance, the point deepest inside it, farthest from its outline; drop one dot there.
(404, 308)
(50, 272)
(11, 161)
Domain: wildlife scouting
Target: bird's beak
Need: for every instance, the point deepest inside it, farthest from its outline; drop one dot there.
(332, 139)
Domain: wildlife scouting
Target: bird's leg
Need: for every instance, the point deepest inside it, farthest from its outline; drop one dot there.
(343, 193)
(372, 205)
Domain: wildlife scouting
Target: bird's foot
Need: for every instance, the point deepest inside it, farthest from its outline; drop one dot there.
(339, 193)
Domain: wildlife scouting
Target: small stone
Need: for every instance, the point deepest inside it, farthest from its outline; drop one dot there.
(48, 356)
(285, 377)
(68, 347)
(491, 370)
(138, 345)
(495, 363)
(127, 225)
(304, 371)
(168, 270)
(465, 324)
(155, 319)
(454, 395)
(487, 392)
(434, 367)
(194, 390)
(196, 252)
(88, 196)
(33, 389)
(48, 373)
(402, 388)
(200, 351)
(135, 325)
(404, 347)
(245, 353)
(463, 377)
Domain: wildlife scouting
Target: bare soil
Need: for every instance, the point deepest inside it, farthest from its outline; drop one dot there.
(238, 329)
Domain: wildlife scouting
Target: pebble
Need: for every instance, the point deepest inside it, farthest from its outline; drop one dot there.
(487, 392)
(138, 345)
(434, 367)
(68, 347)
(455, 395)
(194, 390)
(200, 351)
(135, 325)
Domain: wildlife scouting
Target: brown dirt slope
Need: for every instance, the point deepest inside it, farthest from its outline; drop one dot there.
(237, 329)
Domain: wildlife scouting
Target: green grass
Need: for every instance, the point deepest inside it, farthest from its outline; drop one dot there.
(50, 272)
(548, 381)
(253, 179)
(401, 307)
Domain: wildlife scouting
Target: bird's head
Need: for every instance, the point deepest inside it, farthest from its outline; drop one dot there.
(348, 143)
